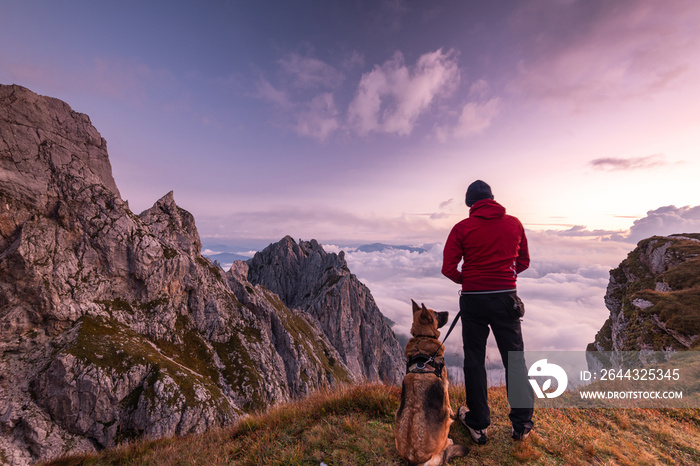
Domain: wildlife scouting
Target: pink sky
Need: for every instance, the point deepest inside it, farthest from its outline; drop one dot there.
(358, 122)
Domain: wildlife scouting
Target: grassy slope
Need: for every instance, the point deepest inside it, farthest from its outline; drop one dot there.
(354, 426)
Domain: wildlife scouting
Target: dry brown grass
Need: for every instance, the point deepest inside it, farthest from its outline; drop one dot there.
(354, 426)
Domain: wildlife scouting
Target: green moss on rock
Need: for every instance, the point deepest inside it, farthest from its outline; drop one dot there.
(241, 372)
(303, 334)
(117, 304)
(678, 310)
(115, 349)
(169, 252)
(603, 338)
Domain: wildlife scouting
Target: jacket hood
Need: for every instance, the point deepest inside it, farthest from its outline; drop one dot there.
(487, 208)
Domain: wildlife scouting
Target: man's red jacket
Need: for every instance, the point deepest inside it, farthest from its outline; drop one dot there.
(493, 246)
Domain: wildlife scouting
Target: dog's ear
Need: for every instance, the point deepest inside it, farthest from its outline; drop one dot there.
(425, 313)
(442, 318)
(415, 307)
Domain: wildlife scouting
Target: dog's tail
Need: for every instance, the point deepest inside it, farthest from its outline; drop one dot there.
(454, 451)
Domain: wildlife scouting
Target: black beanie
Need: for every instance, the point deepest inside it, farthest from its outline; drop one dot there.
(477, 191)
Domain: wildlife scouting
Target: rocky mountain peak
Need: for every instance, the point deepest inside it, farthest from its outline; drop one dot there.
(47, 146)
(343, 305)
(654, 298)
(285, 266)
(113, 326)
(173, 225)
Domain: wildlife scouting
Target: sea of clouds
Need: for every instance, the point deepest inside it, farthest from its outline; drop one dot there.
(563, 289)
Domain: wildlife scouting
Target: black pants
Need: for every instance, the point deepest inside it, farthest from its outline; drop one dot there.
(479, 312)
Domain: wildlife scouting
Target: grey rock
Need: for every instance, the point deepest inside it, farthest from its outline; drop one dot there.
(343, 305)
(647, 297)
(663, 287)
(42, 139)
(656, 258)
(642, 303)
(113, 325)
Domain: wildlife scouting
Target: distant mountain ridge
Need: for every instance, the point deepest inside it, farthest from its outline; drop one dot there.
(225, 255)
(114, 326)
(224, 258)
(380, 247)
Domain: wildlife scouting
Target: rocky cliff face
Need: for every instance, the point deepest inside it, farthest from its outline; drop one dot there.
(113, 326)
(338, 300)
(654, 298)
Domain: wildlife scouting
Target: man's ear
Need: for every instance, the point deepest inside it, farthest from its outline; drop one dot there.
(442, 318)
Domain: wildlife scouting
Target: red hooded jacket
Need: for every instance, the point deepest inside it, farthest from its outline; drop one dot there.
(493, 246)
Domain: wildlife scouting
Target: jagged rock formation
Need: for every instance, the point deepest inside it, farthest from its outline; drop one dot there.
(339, 301)
(342, 304)
(654, 298)
(112, 325)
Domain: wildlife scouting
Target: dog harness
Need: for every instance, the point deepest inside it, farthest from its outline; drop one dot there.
(424, 364)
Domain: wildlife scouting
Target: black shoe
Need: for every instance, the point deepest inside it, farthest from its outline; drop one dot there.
(515, 435)
(478, 435)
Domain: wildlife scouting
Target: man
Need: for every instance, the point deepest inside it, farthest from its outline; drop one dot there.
(493, 247)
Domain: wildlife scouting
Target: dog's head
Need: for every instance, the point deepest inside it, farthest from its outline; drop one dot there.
(426, 322)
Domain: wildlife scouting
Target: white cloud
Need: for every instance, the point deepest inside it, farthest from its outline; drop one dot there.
(402, 263)
(443, 212)
(479, 88)
(316, 118)
(630, 48)
(392, 97)
(389, 99)
(309, 72)
(563, 290)
(476, 117)
(396, 276)
(313, 221)
(564, 287)
(303, 98)
(666, 221)
(631, 163)
(554, 252)
(352, 61)
(270, 93)
(582, 231)
(319, 118)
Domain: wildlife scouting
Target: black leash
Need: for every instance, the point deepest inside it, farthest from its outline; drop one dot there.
(432, 358)
(454, 322)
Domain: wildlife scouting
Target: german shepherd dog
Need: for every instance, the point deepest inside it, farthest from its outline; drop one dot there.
(424, 417)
